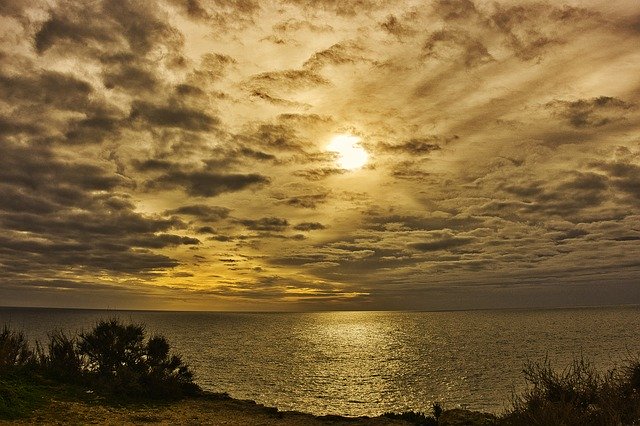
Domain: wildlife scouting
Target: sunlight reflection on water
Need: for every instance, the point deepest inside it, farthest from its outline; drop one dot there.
(366, 363)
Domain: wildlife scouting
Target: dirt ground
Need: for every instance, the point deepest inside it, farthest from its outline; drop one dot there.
(199, 411)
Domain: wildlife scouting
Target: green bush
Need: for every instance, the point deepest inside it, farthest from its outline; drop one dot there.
(117, 360)
(62, 360)
(113, 359)
(14, 349)
(112, 347)
(578, 396)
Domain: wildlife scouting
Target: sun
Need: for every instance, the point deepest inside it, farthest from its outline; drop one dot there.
(351, 155)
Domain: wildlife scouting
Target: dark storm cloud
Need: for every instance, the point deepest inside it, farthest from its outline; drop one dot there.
(162, 241)
(309, 226)
(595, 112)
(12, 126)
(15, 200)
(441, 241)
(93, 239)
(207, 184)
(153, 164)
(206, 230)
(93, 130)
(134, 78)
(192, 8)
(624, 176)
(574, 196)
(47, 88)
(107, 23)
(38, 169)
(202, 212)
(66, 24)
(265, 224)
(172, 116)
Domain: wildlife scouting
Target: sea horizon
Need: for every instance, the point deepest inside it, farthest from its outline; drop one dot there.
(517, 308)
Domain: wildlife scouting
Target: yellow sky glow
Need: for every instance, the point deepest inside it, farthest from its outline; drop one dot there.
(351, 155)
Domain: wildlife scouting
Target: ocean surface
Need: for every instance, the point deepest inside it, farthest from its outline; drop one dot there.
(367, 363)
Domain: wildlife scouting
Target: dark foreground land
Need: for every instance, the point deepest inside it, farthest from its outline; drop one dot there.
(208, 409)
(114, 375)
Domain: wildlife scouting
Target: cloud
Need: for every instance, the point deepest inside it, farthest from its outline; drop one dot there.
(107, 23)
(414, 146)
(338, 54)
(293, 24)
(287, 80)
(457, 45)
(208, 184)
(192, 8)
(441, 241)
(172, 116)
(500, 138)
(319, 173)
(309, 226)
(202, 211)
(594, 112)
(50, 88)
(132, 78)
(456, 10)
(310, 201)
(624, 176)
(534, 29)
(395, 27)
(265, 224)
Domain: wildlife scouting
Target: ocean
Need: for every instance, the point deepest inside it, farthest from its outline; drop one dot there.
(368, 363)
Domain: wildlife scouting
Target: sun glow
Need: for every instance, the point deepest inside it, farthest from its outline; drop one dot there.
(351, 155)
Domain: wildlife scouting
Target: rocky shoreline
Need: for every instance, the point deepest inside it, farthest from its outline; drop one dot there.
(211, 409)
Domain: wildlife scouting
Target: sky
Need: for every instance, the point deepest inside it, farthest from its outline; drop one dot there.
(319, 155)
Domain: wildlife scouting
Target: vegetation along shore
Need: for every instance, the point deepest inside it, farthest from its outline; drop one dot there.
(115, 374)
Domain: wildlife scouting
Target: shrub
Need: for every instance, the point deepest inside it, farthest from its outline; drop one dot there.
(14, 349)
(579, 395)
(62, 360)
(413, 417)
(164, 372)
(117, 360)
(112, 346)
